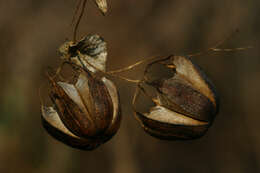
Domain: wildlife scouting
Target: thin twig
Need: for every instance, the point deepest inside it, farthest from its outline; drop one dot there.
(232, 49)
(133, 65)
(78, 21)
(216, 49)
(75, 12)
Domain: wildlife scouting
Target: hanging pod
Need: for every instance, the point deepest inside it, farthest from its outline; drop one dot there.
(86, 113)
(186, 102)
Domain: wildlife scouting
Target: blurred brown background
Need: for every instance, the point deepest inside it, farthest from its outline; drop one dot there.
(31, 31)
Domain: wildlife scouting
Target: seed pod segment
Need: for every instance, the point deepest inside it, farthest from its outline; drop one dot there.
(187, 103)
(89, 52)
(102, 5)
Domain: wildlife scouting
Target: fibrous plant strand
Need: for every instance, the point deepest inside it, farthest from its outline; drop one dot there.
(79, 19)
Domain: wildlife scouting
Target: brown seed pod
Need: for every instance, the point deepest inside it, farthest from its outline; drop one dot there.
(86, 113)
(186, 102)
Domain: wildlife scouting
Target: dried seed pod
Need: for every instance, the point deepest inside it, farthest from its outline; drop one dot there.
(186, 102)
(102, 5)
(89, 52)
(86, 113)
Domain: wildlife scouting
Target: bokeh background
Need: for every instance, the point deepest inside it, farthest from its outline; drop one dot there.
(30, 33)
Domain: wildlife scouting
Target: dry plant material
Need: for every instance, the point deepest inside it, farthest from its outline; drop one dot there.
(186, 103)
(102, 5)
(90, 52)
(86, 113)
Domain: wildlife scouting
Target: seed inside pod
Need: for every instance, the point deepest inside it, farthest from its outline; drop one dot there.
(186, 102)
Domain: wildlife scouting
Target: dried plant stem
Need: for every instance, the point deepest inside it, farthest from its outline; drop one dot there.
(216, 49)
(126, 79)
(76, 12)
(136, 94)
(133, 65)
(232, 49)
(78, 21)
(153, 59)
